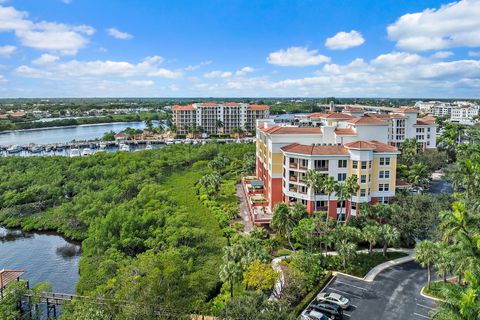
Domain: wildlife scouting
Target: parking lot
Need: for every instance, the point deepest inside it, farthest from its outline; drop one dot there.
(394, 294)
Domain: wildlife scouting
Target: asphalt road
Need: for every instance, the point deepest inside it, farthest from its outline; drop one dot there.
(393, 295)
(440, 186)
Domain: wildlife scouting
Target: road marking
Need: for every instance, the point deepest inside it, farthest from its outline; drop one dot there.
(346, 293)
(351, 285)
(354, 306)
(421, 305)
(421, 315)
(347, 315)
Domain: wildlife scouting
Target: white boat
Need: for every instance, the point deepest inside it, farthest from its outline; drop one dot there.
(74, 152)
(86, 152)
(238, 141)
(188, 141)
(149, 147)
(36, 149)
(178, 142)
(169, 142)
(195, 142)
(124, 147)
(103, 146)
(14, 149)
(48, 148)
(204, 142)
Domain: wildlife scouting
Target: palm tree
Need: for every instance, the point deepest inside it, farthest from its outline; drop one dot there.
(314, 180)
(230, 270)
(343, 194)
(352, 187)
(345, 250)
(418, 175)
(425, 253)
(389, 236)
(371, 234)
(211, 182)
(285, 219)
(329, 187)
(443, 262)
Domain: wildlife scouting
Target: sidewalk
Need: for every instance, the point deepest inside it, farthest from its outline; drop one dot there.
(245, 218)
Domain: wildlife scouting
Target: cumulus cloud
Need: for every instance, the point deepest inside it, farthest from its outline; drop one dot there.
(474, 53)
(243, 71)
(7, 51)
(218, 74)
(117, 34)
(50, 36)
(296, 57)
(452, 25)
(53, 70)
(45, 58)
(141, 83)
(442, 54)
(344, 40)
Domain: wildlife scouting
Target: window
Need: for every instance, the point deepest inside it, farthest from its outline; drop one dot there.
(383, 200)
(355, 164)
(342, 163)
(363, 178)
(353, 206)
(384, 161)
(384, 174)
(321, 205)
(363, 192)
(342, 177)
(304, 163)
(341, 204)
(383, 187)
(370, 164)
(364, 164)
(321, 164)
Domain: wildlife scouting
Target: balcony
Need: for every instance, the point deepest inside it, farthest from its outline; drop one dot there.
(303, 167)
(293, 178)
(321, 168)
(293, 165)
(293, 189)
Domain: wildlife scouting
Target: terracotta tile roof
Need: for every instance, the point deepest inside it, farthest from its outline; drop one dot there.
(345, 132)
(374, 145)
(407, 110)
(421, 122)
(209, 104)
(232, 104)
(257, 107)
(179, 108)
(331, 115)
(367, 121)
(428, 119)
(292, 130)
(385, 115)
(315, 150)
(7, 276)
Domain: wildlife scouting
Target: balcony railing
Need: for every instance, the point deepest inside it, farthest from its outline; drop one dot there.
(292, 189)
(293, 165)
(293, 178)
(302, 167)
(321, 168)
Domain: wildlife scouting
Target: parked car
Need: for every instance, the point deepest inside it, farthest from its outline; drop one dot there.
(330, 309)
(313, 315)
(334, 298)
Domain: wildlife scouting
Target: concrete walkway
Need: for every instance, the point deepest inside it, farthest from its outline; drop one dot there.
(243, 206)
(370, 276)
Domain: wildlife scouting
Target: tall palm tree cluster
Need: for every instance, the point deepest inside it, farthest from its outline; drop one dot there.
(456, 250)
(325, 184)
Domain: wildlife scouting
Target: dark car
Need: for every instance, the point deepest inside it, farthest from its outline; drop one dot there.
(329, 309)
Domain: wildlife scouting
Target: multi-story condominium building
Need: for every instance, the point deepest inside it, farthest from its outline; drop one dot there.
(458, 111)
(216, 118)
(339, 145)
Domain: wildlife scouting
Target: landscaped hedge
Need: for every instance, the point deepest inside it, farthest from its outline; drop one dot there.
(311, 295)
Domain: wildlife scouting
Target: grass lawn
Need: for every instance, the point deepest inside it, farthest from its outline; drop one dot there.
(362, 263)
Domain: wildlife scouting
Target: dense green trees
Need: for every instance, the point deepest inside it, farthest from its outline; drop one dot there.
(147, 237)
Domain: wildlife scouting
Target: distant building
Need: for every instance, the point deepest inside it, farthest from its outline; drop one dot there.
(217, 118)
(458, 111)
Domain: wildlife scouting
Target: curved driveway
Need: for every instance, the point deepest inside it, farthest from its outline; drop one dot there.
(394, 294)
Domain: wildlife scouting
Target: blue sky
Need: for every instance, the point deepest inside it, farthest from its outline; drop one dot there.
(86, 48)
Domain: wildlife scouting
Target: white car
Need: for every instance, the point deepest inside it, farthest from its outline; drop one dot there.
(313, 315)
(334, 298)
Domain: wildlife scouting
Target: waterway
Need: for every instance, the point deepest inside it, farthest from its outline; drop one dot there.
(44, 257)
(65, 134)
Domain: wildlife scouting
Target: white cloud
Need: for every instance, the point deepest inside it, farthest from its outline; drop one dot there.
(50, 36)
(117, 34)
(344, 40)
(67, 1)
(7, 51)
(396, 59)
(243, 71)
(141, 83)
(217, 74)
(474, 53)
(450, 26)
(45, 58)
(150, 66)
(296, 57)
(2, 79)
(442, 54)
(197, 66)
